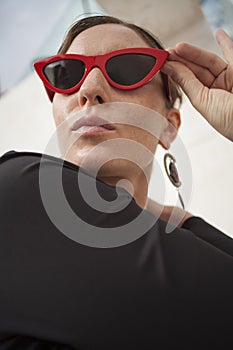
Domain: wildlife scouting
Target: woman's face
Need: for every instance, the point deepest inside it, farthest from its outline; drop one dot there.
(96, 91)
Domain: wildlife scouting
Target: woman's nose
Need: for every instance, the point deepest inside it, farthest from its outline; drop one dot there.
(94, 89)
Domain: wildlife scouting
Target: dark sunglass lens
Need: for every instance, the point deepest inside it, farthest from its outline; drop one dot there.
(129, 69)
(64, 74)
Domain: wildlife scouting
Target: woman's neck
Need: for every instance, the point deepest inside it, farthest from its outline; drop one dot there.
(137, 186)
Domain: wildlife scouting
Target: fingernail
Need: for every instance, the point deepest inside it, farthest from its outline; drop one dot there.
(170, 50)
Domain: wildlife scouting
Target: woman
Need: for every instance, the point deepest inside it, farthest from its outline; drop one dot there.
(200, 97)
(157, 290)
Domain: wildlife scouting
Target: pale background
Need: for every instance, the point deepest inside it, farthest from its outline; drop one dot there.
(29, 32)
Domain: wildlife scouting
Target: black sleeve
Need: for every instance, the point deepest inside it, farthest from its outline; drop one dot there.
(158, 291)
(210, 234)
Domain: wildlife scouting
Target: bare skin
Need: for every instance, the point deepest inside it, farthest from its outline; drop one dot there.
(206, 79)
(96, 90)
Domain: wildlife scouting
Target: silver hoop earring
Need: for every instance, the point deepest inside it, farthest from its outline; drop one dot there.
(172, 173)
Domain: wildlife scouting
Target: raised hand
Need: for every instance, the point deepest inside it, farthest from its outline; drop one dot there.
(207, 80)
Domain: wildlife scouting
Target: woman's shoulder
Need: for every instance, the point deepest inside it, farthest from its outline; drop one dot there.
(20, 181)
(209, 233)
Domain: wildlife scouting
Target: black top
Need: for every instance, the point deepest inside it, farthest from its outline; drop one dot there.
(160, 291)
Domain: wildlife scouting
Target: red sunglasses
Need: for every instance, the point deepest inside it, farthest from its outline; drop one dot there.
(125, 69)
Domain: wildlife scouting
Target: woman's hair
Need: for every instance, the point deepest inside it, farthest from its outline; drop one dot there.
(149, 38)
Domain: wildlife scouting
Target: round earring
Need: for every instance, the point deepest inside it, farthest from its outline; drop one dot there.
(172, 173)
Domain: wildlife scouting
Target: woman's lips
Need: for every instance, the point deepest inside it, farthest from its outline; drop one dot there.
(91, 125)
(88, 130)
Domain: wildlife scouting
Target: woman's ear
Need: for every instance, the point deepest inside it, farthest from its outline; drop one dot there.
(168, 135)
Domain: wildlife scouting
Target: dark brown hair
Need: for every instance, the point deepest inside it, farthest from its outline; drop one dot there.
(149, 38)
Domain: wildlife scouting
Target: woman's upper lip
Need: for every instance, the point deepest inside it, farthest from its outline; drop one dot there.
(91, 120)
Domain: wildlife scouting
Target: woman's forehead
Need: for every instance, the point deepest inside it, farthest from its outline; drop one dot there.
(105, 37)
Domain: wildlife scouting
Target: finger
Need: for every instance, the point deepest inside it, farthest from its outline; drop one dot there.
(202, 73)
(225, 43)
(187, 80)
(202, 57)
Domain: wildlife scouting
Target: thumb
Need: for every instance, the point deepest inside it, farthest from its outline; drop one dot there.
(187, 80)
